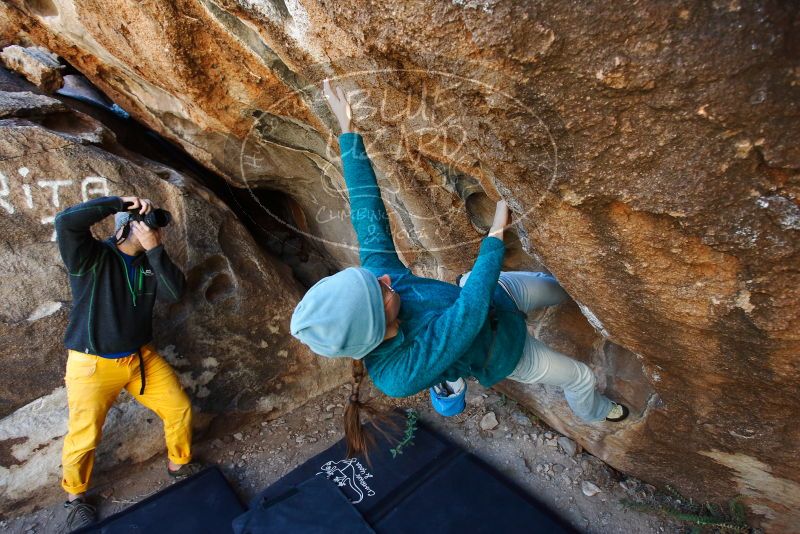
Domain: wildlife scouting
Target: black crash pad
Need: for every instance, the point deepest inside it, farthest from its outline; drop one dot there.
(314, 506)
(430, 485)
(202, 504)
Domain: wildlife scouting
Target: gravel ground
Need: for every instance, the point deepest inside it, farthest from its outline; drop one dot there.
(581, 488)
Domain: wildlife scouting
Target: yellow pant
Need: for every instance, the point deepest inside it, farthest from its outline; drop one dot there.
(93, 383)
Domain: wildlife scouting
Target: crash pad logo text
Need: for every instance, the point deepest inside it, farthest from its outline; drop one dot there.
(350, 474)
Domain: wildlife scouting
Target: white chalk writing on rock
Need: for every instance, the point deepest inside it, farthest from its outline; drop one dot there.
(52, 190)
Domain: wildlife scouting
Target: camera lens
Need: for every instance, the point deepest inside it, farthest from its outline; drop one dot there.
(158, 218)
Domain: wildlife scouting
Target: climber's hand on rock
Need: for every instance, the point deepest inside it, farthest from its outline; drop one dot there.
(501, 217)
(339, 105)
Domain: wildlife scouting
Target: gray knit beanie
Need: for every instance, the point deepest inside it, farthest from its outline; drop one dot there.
(120, 218)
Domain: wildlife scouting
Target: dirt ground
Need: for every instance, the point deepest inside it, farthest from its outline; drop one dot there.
(259, 452)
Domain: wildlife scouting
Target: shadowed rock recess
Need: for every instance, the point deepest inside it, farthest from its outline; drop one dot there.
(650, 154)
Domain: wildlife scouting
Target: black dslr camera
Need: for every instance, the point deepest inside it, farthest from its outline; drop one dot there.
(156, 219)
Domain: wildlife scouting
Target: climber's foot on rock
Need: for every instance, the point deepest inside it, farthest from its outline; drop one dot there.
(617, 413)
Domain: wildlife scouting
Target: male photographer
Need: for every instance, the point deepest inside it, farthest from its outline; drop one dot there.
(109, 336)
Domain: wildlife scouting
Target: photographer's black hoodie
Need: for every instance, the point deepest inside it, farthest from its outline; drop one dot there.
(109, 313)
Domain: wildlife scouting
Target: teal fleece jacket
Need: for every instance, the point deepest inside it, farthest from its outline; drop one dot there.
(445, 332)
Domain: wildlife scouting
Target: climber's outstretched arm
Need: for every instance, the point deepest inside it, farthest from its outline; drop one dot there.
(367, 210)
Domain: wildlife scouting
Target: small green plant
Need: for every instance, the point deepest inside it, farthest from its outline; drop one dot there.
(701, 516)
(408, 437)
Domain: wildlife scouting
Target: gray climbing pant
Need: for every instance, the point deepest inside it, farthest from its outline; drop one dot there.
(539, 363)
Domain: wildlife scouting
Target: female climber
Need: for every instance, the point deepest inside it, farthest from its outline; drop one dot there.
(411, 332)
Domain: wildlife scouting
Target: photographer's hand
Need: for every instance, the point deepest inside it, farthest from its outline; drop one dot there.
(142, 204)
(148, 237)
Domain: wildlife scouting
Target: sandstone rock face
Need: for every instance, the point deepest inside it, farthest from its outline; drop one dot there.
(227, 339)
(650, 155)
(38, 65)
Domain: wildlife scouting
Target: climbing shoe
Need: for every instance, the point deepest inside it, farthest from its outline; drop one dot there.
(458, 279)
(617, 413)
(80, 514)
(186, 470)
